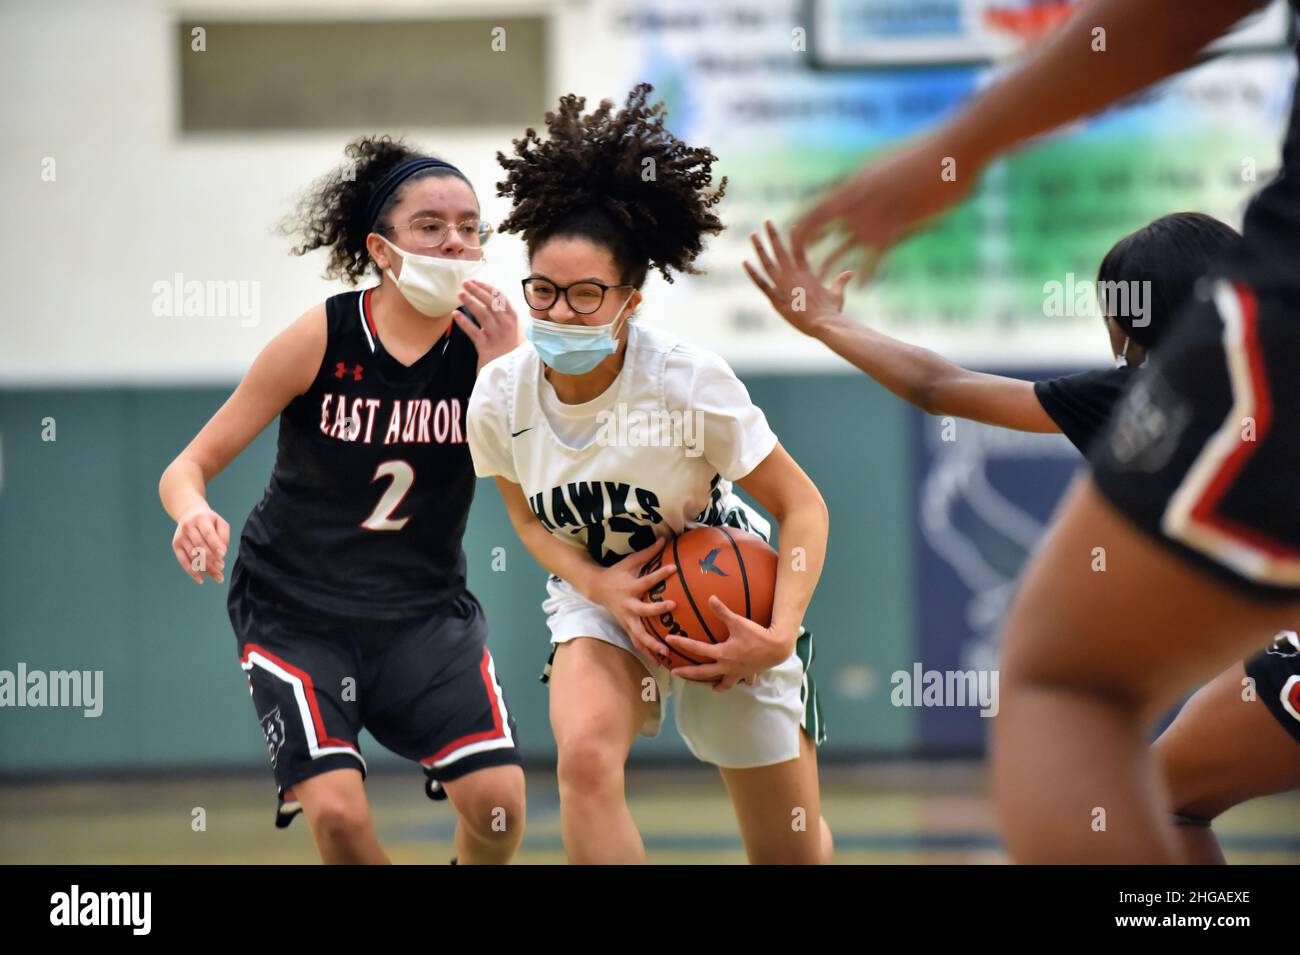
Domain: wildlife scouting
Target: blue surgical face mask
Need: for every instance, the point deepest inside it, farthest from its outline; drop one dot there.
(574, 349)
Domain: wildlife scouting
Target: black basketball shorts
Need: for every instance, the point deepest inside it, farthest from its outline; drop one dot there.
(1276, 673)
(425, 687)
(1203, 451)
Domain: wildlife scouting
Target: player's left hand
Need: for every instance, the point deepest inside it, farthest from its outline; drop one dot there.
(798, 294)
(497, 331)
(748, 650)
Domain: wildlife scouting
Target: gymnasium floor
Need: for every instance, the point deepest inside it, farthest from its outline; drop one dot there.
(880, 813)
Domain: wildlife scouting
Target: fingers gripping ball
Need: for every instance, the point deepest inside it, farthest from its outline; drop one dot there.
(736, 566)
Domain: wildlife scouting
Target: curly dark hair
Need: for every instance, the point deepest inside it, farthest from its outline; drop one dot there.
(332, 212)
(588, 178)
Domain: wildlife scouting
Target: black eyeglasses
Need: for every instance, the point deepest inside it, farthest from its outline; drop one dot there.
(583, 297)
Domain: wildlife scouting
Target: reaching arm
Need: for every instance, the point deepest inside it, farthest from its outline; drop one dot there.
(934, 384)
(1108, 50)
(917, 375)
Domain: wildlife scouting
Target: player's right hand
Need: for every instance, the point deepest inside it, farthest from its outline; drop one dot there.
(200, 543)
(621, 589)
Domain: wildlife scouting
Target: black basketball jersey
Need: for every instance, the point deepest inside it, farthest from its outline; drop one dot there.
(1270, 253)
(373, 479)
(1081, 404)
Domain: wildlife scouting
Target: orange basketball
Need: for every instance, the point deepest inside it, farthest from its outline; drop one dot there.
(736, 566)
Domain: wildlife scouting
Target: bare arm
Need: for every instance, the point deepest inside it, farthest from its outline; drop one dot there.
(563, 560)
(619, 588)
(789, 495)
(285, 369)
(934, 384)
(1108, 50)
(917, 375)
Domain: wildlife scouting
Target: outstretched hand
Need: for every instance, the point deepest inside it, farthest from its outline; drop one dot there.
(798, 294)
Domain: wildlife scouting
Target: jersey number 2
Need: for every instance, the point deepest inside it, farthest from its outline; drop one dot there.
(402, 474)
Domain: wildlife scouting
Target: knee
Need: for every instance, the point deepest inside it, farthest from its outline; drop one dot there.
(588, 766)
(1197, 782)
(338, 819)
(494, 811)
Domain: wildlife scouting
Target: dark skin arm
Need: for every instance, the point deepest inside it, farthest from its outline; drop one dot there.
(917, 375)
(1064, 77)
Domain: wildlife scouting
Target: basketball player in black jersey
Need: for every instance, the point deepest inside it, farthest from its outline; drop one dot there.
(1192, 485)
(348, 598)
(1222, 749)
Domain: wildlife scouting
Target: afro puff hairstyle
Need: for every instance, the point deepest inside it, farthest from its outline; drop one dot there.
(618, 179)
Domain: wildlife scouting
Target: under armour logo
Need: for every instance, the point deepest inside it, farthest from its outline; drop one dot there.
(707, 565)
(342, 369)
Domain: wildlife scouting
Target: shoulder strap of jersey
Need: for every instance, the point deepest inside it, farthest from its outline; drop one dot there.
(347, 316)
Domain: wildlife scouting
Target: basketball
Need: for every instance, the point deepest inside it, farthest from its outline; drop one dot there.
(737, 566)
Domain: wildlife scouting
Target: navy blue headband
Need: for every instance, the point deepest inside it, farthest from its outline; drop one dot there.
(398, 175)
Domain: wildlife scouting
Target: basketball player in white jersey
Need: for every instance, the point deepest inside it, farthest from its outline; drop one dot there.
(556, 421)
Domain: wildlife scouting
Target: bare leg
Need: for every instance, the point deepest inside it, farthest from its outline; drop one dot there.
(490, 803)
(1090, 658)
(338, 814)
(779, 810)
(1222, 750)
(597, 709)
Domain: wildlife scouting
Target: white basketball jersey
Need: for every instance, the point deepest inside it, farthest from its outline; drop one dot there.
(656, 451)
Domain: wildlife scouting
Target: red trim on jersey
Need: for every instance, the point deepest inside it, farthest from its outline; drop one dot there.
(1205, 509)
(497, 730)
(310, 690)
(365, 308)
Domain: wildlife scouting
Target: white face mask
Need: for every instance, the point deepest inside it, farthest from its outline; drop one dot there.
(431, 284)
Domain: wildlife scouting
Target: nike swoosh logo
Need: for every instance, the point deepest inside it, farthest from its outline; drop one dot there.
(515, 434)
